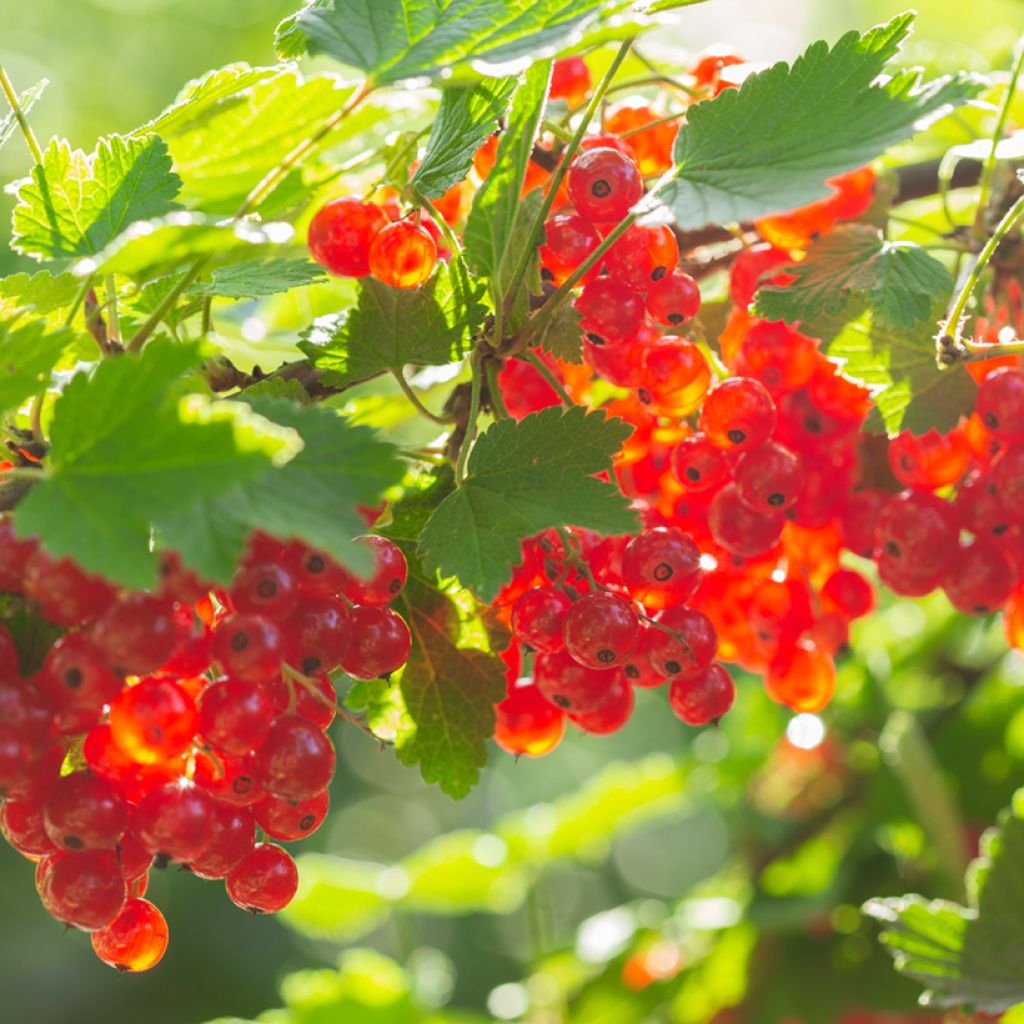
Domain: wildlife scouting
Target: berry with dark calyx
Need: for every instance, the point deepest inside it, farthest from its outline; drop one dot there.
(568, 240)
(176, 821)
(1000, 403)
(22, 825)
(538, 618)
(929, 461)
(249, 647)
(380, 643)
(136, 634)
(265, 588)
(75, 677)
(738, 528)
(611, 714)
(661, 567)
(296, 760)
(314, 572)
(621, 365)
(290, 820)
(403, 255)
(674, 376)
(265, 881)
(683, 643)
(527, 723)
(637, 668)
(600, 630)
(610, 312)
(978, 507)
(604, 185)
(673, 299)
(65, 593)
(979, 577)
(85, 890)
(84, 812)
(341, 233)
(569, 685)
(135, 940)
(643, 256)
(318, 633)
(738, 414)
(698, 464)
(233, 838)
(232, 781)
(387, 578)
(916, 530)
(153, 721)
(702, 699)
(779, 356)
(234, 716)
(768, 478)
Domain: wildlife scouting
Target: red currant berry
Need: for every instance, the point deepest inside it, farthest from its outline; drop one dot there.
(235, 716)
(84, 812)
(749, 268)
(1008, 480)
(403, 255)
(1000, 403)
(85, 890)
(610, 313)
(229, 780)
(859, 521)
(683, 644)
(619, 364)
(637, 668)
(848, 593)
(265, 588)
(568, 240)
(611, 714)
(643, 256)
(176, 821)
(930, 461)
(319, 634)
(136, 634)
(290, 820)
(249, 647)
(314, 571)
(380, 643)
(233, 839)
(674, 376)
(698, 465)
(153, 721)
(135, 940)
(568, 684)
(601, 630)
(703, 699)
(738, 415)
(570, 80)
(528, 724)
(661, 567)
(980, 577)
(538, 618)
(390, 571)
(21, 823)
(803, 678)
(75, 677)
(265, 882)
(14, 556)
(778, 356)
(341, 233)
(25, 711)
(604, 185)
(296, 760)
(917, 530)
(674, 299)
(315, 698)
(769, 478)
(65, 593)
(739, 529)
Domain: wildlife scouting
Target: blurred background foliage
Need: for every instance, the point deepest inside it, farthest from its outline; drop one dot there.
(660, 874)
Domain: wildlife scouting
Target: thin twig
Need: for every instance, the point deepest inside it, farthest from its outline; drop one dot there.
(11, 95)
(545, 371)
(415, 400)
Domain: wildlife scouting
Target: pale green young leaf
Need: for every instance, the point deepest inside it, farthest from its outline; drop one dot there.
(562, 336)
(466, 118)
(770, 145)
(523, 478)
(42, 292)
(394, 327)
(254, 279)
(27, 355)
(899, 281)
(657, 6)
(389, 40)
(26, 101)
(73, 204)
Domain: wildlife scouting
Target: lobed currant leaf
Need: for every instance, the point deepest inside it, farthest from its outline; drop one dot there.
(44, 293)
(562, 336)
(254, 279)
(899, 281)
(73, 203)
(28, 352)
(523, 478)
(830, 111)
(465, 120)
(390, 40)
(393, 327)
(966, 955)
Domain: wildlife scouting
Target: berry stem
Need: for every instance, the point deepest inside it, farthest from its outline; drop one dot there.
(494, 392)
(542, 368)
(142, 335)
(415, 401)
(293, 678)
(19, 115)
(474, 413)
(445, 228)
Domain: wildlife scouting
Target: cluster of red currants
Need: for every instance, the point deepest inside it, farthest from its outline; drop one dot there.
(187, 724)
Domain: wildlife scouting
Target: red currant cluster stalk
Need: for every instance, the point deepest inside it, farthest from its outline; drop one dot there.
(187, 725)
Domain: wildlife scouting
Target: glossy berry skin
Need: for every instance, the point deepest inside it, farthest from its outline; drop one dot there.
(153, 721)
(232, 781)
(76, 680)
(134, 858)
(604, 185)
(341, 233)
(929, 461)
(387, 578)
(750, 266)
(859, 521)
(315, 699)
(916, 530)
(802, 678)
(611, 714)
(738, 415)
(661, 567)
(610, 313)
(314, 571)
(618, 364)
(1000, 403)
(674, 376)
(600, 630)
(296, 760)
(570, 80)
(699, 465)
(538, 618)
(135, 940)
(561, 679)
(22, 825)
(703, 699)
(136, 634)
(768, 478)
(674, 299)
(265, 882)
(84, 812)
(9, 666)
(26, 712)
(85, 890)
(318, 633)
(234, 716)
(65, 594)
(568, 240)
(528, 724)
(739, 529)
(403, 255)
(643, 256)
(651, 147)
(688, 649)
(380, 643)
(232, 839)
(781, 358)
(249, 647)
(266, 588)
(287, 821)
(15, 553)
(979, 577)
(1008, 479)
(848, 593)
(176, 821)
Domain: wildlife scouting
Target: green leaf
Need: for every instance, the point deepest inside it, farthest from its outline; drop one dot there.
(523, 478)
(253, 279)
(393, 327)
(562, 336)
(26, 101)
(657, 6)
(74, 203)
(127, 450)
(467, 117)
(909, 391)
(967, 955)
(41, 292)
(769, 145)
(384, 709)
(337, 899)
(313, 497)
(496, 205)
(899, 281)
(153, 248)
(390, 40)
(27, 355)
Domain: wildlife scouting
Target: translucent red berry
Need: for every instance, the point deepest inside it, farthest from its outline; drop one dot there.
(266, 588)
(249, 647)
(340, 235)
(570, 685)
(403, 254)
(568, 240)
(176, 821)
(318, 633)
(1000, 403)
(801, 677)
(528, 724)
(290, 820)
(610, 313)
(604, 184)
(538, 618)
(232, 838)
(738, 414)
(702, 699)
(84, 812)
(643, 256)
(22, 825)
(153, 720)
(698, 464)
(979, 577)
(137, 633)
(768, 478)
(85, 890)
(65, 593)
(738, 528)
(135, 940)
(611, 714)
(600, 630)
(265, 881)
(570, 80)
(234, 716)
(683, 643)
(387, 577)
(674, 299)
(296, 760)
(380, 643)
(661, 567)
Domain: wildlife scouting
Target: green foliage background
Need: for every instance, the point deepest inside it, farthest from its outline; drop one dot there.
(115, 63)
